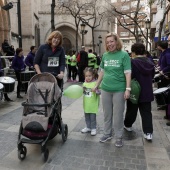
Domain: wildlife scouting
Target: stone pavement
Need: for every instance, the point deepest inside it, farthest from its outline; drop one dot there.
(83, 151)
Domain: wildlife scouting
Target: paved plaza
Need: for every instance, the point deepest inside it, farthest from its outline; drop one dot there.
(83, 151)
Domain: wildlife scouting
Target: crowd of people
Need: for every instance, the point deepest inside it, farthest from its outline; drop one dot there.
(17, 62)
(109, 76)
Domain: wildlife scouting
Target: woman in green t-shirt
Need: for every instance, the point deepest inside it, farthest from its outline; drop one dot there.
(73, 64)
(115, 78)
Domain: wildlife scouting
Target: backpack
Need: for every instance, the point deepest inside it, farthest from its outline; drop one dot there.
(135, 91)
(78, 57)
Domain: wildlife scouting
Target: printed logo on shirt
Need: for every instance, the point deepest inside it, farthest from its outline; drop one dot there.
(114, 63)
(53, 61)
(87, 92)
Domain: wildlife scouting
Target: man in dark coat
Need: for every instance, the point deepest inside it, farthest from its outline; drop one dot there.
(82, 63)
(7, 48)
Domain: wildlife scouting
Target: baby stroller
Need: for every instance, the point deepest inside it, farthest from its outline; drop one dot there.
(41, 120)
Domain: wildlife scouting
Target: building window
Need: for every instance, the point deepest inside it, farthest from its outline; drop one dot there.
(125, 17)
(113, 1)
(62, 0)
(125, 7)
(125, 41)
(124, 34)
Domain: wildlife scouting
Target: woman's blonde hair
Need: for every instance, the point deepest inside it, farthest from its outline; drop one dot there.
(56, 34)
(116, 38)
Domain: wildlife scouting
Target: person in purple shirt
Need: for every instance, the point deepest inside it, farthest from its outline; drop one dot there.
(143, 71)
(18, 65)
(164, 63)
(29, 60)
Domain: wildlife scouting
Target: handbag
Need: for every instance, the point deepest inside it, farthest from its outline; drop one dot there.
(135, 91)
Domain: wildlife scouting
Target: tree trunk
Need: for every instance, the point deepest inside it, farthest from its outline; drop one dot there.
(77, 38)
(93, 39)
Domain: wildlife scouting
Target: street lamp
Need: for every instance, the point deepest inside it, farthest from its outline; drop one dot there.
(8, 7)
(83, 32)
(99, 44)
(148, 26)
(140, 37)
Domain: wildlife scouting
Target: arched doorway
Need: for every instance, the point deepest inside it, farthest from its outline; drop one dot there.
(67, 45)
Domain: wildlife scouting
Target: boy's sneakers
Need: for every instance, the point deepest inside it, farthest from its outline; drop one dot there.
(105, 138)
(86, 130)
(148, 136)
(119, 142)
(93, 132)
(129, 129)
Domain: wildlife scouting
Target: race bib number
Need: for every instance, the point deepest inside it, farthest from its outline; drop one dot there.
(87, 92)
(53, 61)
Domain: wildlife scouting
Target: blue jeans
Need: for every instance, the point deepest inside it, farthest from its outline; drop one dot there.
(90, 119)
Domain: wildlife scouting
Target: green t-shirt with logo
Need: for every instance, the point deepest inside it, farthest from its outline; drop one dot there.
(73, 60)
(90, 99)
(68, 59)
(114, 65)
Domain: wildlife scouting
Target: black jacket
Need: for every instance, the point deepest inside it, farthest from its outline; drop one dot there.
(83, 59)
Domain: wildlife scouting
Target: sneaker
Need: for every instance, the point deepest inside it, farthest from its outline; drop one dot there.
(105, 138)
(93, 132)
(129, 129)
(85, 130)
(119, 142)
(148, 136)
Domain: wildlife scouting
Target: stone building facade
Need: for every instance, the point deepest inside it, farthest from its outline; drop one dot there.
(36, 26)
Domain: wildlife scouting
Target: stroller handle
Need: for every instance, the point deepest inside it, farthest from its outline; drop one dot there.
(40, 105)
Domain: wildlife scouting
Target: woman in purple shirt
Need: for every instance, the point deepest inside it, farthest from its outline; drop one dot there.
(18, 65)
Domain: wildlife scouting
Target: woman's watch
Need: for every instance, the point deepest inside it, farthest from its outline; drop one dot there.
(128, 88)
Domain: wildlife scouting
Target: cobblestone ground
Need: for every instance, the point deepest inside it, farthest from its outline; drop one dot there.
(84, 155)
(82, 151)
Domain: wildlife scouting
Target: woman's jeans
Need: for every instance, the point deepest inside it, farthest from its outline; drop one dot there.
(113, 108)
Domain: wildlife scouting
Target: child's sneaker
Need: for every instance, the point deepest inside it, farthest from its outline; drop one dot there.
(85, 130)
(148, 136)
(119, 142)
(93, 132)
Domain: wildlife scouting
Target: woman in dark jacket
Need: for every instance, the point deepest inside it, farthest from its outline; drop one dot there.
(143, 71)
(50, 57)
(19, 66)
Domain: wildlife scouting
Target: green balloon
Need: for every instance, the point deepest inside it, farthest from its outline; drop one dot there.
(73, 92)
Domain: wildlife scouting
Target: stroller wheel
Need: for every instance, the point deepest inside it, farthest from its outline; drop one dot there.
(64, 131)
(45, 155)
(22, 153)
